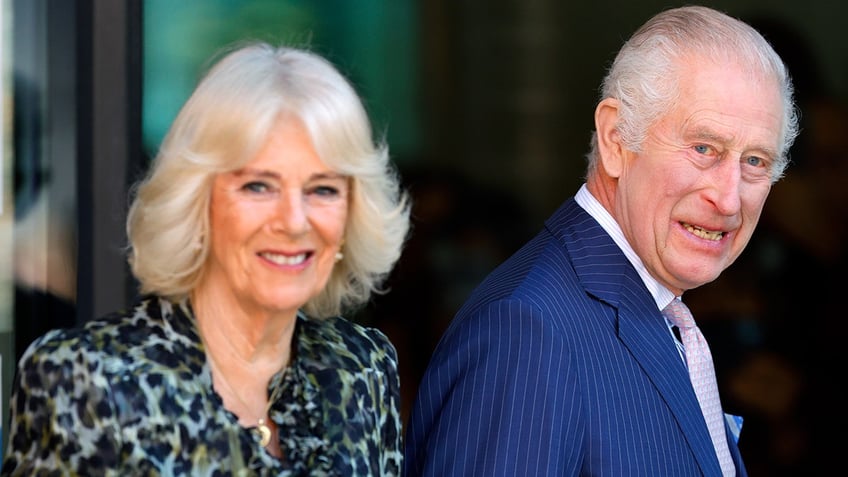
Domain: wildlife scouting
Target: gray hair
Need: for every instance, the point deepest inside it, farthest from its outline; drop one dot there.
(644, 73)
(221, 127)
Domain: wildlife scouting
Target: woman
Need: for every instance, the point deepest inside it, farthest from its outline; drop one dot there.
(268, 211)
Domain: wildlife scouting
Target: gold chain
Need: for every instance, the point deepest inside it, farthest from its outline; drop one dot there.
(262, 428)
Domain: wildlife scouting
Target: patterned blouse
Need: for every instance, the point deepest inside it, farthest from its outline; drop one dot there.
(131, 394)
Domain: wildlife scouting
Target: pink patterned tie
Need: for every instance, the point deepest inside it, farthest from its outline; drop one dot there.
(701, 373)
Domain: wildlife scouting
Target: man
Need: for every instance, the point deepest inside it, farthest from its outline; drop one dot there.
(562, 361)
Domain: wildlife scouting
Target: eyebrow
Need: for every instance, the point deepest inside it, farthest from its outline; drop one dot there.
(273, 175)
(708, 135)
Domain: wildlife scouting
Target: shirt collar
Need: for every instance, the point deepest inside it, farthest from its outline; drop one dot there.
(662, 296)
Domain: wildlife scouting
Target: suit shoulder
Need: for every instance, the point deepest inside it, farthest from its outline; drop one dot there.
(541, 264)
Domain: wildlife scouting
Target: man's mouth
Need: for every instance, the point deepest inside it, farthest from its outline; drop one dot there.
(704, 234)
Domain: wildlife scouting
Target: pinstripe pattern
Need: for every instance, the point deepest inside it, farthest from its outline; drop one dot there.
(559, 364)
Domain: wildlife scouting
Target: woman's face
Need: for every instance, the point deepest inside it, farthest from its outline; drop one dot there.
(276, 224)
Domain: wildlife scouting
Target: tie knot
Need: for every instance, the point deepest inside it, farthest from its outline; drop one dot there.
(678, 313)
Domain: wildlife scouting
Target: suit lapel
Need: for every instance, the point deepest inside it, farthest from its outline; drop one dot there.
(606, 274)
(652, 347)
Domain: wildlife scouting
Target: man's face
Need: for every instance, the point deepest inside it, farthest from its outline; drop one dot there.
(690, 200)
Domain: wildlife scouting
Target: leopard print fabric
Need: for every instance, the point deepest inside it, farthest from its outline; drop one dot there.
(131, 395)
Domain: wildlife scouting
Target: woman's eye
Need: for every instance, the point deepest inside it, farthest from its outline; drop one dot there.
(258, 187)
(326, 191)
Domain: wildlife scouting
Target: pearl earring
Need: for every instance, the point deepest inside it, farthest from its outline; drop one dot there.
(339, 256)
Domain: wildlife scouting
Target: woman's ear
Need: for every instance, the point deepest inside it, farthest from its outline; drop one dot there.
(609, 140)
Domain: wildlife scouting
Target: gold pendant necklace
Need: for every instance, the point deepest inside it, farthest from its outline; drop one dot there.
(263, 429)
(264, 433)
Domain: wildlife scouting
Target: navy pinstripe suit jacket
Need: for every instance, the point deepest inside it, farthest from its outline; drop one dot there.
(560, 364)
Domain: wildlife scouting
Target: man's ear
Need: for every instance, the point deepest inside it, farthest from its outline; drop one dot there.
(609, 140)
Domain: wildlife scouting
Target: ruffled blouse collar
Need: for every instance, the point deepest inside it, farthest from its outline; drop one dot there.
(297, 412)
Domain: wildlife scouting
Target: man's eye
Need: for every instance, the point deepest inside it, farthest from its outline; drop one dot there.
(702, 149)
(754, 161)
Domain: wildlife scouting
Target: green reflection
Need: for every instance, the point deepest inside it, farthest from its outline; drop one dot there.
(372, 41)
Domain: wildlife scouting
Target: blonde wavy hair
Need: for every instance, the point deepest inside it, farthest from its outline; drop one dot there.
(221, 127)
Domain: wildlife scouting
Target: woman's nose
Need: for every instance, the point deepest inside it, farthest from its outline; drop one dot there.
(291, 214)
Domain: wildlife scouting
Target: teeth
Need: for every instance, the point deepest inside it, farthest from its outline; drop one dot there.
(704, 234)
(285, 259)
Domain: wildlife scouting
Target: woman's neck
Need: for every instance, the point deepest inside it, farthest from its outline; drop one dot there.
(247, 335)
(244, 350)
